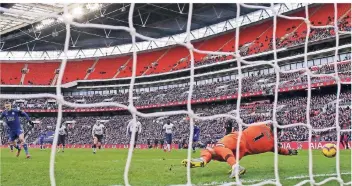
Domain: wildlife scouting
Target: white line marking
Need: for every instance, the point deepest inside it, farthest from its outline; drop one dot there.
(260, 180)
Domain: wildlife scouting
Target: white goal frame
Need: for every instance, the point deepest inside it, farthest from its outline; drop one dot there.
(240, 61)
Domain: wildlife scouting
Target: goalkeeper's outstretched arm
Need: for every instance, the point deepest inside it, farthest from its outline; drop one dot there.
(287, 152)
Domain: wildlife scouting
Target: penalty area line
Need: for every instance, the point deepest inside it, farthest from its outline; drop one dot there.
(260, 180)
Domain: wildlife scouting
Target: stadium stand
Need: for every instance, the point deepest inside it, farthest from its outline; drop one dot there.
(76, 70)
(252, 41)
(37, 76)
(11, 73)
(292, 110)
(251, 84)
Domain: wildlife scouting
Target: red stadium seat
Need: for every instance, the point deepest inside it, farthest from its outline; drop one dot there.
(107, 68)
(76, 70)
(253, 39)
(10, 73)
(38, 76)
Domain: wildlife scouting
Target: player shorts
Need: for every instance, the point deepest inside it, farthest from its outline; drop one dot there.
(13, 135)
(168, 138)
(230, 141)
(195, 138)
(135, 136)
(61, 140)
(99, 137)
(41, 141)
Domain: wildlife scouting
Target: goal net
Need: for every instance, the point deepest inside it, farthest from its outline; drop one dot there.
(236, 116)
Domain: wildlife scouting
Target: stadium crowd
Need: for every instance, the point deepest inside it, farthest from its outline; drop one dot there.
(289, 40)
(211, 89)
(290, 110)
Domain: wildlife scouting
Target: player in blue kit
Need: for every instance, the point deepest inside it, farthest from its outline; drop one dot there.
(12, 119)
(41, 140)
(196, 134)
(8, 132)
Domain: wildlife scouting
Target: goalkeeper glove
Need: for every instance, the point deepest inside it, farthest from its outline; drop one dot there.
(292, 151)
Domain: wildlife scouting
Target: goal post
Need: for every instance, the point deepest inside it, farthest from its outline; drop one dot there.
(240, 61)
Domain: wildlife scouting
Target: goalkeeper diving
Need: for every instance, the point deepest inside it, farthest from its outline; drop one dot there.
(254, 140)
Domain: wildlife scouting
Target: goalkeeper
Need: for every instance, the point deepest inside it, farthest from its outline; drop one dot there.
(254, 140)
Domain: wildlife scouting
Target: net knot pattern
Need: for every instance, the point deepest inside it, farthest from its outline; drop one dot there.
(192, 116)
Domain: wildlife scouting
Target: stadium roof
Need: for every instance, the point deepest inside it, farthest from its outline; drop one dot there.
(34, 33)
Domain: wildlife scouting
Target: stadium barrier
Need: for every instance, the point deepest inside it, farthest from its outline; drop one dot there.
(201, 100)
(304, 145)
(106, 146)
(301, 145)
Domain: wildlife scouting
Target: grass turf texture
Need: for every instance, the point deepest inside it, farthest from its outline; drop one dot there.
(78, 167)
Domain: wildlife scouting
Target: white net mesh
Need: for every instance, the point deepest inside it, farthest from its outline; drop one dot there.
(60, 99)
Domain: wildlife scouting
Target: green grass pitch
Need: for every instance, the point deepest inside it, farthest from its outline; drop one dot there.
(79, 167)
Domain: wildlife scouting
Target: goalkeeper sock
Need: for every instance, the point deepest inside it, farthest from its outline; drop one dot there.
(205, 156)
(226, 154)
(25, 147)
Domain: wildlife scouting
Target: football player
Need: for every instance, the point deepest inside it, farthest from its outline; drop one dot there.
(168, 126)
(12, 119)
(62, 137)
(98, 134)
(254, 140)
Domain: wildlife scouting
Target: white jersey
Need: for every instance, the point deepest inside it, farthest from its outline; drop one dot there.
(168, 128)
(62, 130)
(98, 129)
(131, 125)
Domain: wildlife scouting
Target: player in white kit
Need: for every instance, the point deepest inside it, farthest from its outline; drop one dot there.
(98, 132)
(168, 134)
(138, 130)
(62, 137)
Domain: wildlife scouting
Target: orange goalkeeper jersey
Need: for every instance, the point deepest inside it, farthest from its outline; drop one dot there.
(260, 139)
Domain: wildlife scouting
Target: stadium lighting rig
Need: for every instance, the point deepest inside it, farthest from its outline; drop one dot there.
(93, 6)
(76, 12)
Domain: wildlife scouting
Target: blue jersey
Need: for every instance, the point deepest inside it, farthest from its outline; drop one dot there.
(42, 136)
(12, 119)
(196, 133)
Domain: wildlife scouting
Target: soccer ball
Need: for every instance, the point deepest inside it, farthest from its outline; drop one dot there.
(329, 150)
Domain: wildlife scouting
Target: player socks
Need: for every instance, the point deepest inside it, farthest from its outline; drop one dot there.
(11, 147)
(17, 147)
(205, 156)
(25, 147)
(94, 148)
(226, 154)
(168, 147)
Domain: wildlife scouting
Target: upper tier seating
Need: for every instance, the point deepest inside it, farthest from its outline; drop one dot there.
(76, 70)
(10, 73)
(253, 39)
(36, 75)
